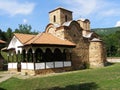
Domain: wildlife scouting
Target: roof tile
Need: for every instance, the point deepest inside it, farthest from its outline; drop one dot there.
(23, 37)
(47, 38)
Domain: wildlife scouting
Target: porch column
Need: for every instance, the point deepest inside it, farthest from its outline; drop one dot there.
(44, 50)
(17, 57)
(70, 55)
(26, 54)
(21, 57)
(33, 52)
(8, 57)
(12, 56)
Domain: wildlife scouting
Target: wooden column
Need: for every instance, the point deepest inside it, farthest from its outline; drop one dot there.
(8, 57)
(34, 61)
(12, 56)
(26, 55)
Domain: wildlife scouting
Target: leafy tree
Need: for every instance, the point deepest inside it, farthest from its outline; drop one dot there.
(3, 35)
(111, 40)
(26, 29)
(9, 34)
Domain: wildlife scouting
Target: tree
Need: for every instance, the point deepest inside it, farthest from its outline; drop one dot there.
(3, 35)
(9, 34)
(26, 29)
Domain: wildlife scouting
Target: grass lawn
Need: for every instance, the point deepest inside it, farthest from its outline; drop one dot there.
(107, 78)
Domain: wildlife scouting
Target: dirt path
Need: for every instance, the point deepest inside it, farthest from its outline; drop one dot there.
(4, 76)
(113, 60)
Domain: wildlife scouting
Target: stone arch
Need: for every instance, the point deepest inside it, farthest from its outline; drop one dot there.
(30, 55)
(48, 55)
(58, 56)
(38, 55)
(75, 23)
(74, 33)
(49, 26)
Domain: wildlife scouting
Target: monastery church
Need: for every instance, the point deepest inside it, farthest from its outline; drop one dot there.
(65, 45)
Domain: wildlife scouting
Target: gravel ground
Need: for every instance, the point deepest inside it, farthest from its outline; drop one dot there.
(5, 75)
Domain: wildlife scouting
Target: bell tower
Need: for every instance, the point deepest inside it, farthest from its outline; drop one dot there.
(59, 16)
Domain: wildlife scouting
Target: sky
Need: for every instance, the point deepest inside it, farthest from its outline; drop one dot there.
(101, 13)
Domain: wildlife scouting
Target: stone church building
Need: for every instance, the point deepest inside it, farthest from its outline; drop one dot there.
(66, 44)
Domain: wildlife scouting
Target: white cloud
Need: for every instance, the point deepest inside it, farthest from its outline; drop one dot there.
(13, 7)
(117, 24)
(99, 8)
(25, 21)
(81, 7)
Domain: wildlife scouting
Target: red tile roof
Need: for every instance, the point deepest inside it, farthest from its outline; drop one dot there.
(23, 38)
(49, 39)
(1, 41)
(42, 39)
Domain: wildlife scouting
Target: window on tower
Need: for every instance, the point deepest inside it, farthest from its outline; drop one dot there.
(65, 18)
(54, 17)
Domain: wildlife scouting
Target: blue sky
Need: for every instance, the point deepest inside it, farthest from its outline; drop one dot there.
(101, 13)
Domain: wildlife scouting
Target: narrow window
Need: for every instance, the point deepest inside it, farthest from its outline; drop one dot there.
(65, 18)
(54, 18)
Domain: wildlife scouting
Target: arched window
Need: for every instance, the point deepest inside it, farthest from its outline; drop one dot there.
(39, 55)
(30, 55)
(48, 55)
(58, 56)
(65, 18)
(54, 18)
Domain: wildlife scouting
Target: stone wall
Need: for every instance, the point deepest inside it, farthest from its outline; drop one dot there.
(96, 54)
(80, 54)
(60, 16)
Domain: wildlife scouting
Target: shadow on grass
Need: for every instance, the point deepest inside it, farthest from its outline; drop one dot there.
(2, 88)
(109, 64)
(84, 86)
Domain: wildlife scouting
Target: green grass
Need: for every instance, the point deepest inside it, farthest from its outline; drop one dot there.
(107, 78)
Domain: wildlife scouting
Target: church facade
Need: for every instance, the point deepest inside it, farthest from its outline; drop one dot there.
(66, 44)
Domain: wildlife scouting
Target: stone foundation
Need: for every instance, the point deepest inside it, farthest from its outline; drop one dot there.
(55, 70)
(12, 71)
(40, 71)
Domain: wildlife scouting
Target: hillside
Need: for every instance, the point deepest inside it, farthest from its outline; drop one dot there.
(106, 31)
(111, 38)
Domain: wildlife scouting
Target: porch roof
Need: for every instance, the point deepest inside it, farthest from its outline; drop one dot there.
(2, 42)
(48, 39)
(23, 38)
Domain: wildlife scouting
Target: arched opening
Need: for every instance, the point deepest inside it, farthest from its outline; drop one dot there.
(54, 18)
(64, 55)
(38, 55)
(58, 56)
(30, 55)
(48, 55)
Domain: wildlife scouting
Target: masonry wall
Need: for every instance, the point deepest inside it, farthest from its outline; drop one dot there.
(60, 15)
(80, 54)
(97, 55)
